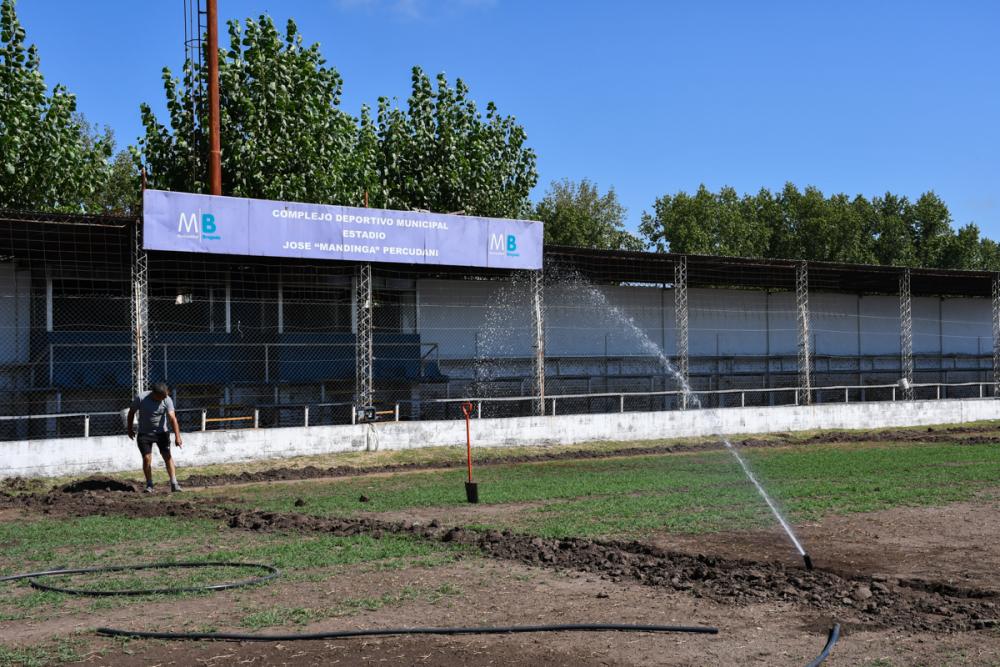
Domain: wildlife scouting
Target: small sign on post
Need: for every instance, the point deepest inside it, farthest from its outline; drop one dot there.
(471, 488)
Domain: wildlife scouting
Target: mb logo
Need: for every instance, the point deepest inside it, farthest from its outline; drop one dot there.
(197, 226)
(503, 244)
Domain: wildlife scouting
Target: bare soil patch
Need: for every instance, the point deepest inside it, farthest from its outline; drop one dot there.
(861, 599)
(955, 544)
(768, 632)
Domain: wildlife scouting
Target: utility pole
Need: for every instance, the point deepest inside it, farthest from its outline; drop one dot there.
(215, 150)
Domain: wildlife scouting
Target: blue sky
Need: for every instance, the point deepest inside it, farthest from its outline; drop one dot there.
(648, 97)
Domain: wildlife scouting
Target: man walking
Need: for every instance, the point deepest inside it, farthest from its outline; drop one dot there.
(155, 408)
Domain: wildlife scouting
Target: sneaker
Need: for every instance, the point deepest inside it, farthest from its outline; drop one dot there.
(149, 488)
(175, 488)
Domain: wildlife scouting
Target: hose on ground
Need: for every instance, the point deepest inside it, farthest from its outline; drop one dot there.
(32, 577)
(830, 641)
(271, 573)
(381, 632)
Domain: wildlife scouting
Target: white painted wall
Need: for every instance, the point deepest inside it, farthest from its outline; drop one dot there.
(34, 458)
(493, 317)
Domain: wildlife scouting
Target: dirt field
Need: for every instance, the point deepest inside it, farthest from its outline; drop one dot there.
(912, 583)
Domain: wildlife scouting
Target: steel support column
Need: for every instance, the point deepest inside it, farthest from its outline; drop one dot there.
(906, 336)
(140, 313)
(364, 386)
(681, 325)
(996, 335)
(537, 282)
(802, 314)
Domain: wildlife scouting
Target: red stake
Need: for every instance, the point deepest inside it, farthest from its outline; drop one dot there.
(467, 409)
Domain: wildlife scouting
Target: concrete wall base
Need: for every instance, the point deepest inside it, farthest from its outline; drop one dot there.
(73, 456)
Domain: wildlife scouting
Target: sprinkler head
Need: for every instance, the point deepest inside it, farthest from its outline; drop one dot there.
(808, 560)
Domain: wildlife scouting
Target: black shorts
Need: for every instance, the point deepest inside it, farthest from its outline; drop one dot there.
(146, 440)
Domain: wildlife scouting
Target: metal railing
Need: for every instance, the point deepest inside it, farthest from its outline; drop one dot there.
(843, 392)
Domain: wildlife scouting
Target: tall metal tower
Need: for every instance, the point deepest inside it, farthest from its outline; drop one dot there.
(201, 50)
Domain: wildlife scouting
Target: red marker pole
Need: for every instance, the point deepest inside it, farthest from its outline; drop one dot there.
(471, 488)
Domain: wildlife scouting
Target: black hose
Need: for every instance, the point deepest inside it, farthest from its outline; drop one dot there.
(830, 641)
(381, 632)
(32, 577)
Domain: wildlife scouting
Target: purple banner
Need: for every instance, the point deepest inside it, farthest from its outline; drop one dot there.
(235, 226)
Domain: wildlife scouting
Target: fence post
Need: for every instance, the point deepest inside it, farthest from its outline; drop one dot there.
(847, 398)
(553, 407)
(256, 418)
(802, 315)
(906, 334)
(364, 383)
(86, 426)
(621, 402)
(204, 419)
(939, 392)
(681, 324)
(479, 410)
(305, 415)
(743, 399)
(396, 415)
(538, 324)
(894, 393)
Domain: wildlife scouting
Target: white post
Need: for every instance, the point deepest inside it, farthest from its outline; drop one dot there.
(621, 402)
(397, 412)
(256, 418)
(281, 307)
(204, 419)
(86, 426)
(305, 415)
(229, 304)
(479, 410)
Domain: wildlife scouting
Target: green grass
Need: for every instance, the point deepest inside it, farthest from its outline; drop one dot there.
(697, 492)
(98, 540)
(276, 616)
(60, 652)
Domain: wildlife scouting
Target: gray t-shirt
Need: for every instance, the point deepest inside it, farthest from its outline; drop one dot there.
(152, 413)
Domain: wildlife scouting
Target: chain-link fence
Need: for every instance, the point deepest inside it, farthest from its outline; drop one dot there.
(250, 342)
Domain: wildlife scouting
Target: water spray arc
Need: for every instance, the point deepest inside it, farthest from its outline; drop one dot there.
(599, 302)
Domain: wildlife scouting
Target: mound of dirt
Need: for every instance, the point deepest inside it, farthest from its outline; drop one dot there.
(865, 602)
(98, 483)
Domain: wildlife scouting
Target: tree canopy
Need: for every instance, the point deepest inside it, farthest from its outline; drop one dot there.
(806, 224)
(284, 135)
(576, 214)
(50, 157)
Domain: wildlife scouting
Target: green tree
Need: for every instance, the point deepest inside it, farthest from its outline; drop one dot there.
(962, 249)
(576, 214)
(285, 137)
(708, 223)
(930, 228)
(892, 241)
(49, 157)
(282, 131)
(441, 154)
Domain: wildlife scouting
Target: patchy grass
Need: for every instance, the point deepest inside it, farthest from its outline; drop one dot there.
(56, 653)
(98, 540)
(693, 492)
(276, 616)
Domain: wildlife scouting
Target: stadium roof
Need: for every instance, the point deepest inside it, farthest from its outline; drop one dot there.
(38, 233)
